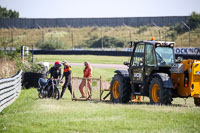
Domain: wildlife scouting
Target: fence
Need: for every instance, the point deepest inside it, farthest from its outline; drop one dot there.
(98, 88)
(10, 89)
(83, 37)
(81, 22)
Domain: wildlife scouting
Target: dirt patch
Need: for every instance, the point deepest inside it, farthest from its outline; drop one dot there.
(7, 69)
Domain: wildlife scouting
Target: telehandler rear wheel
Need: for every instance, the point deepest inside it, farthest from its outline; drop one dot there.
(158, 94)
(197, 101)
(120, 89)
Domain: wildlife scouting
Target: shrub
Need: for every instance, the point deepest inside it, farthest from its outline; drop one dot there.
(28, 66)
(108, 42)
(50, 44)
(142, 29)
(8, 55)
(180, 28)
(173, 35)
(2, 54)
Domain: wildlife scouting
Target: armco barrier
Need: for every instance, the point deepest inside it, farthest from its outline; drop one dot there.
(81, 52)
(98, 52)
(10, 89)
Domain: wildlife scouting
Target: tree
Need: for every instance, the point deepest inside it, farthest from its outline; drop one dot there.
(4, 13)
(194, 20)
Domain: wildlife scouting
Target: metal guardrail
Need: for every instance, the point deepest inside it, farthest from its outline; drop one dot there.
(10, 89)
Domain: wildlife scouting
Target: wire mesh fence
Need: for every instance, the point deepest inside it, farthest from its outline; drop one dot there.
(82, 37)
(98, 88)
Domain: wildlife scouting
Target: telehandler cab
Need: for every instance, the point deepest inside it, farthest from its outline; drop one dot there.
(154, 72)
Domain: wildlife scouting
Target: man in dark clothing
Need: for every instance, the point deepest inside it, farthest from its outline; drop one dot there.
(55, 71)
(67, 74)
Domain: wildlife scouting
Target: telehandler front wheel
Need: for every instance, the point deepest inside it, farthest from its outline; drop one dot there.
(197, 101)
(120, 89)
(158, 94)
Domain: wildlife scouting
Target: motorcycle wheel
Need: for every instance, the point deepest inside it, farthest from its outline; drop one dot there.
(50, 92)
(40, 95)
(57, 94)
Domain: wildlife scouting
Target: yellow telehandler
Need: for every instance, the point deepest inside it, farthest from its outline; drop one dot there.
(154, 72)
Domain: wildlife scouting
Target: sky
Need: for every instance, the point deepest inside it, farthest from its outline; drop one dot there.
(101, 8)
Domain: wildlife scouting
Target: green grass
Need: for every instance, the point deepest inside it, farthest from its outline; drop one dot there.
(30, 114)
(82, 58)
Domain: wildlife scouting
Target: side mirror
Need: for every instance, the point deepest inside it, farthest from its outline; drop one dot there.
(126, 63)
(179, 59)
(131, 44)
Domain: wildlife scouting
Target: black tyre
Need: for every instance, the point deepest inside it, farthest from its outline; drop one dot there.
(56, 94)
(158, 94)
(40, 95)
(120, 89)
(50, 92)
(197, 101)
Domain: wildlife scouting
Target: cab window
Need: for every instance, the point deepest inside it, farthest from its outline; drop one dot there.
(138, 57)
(150, 59)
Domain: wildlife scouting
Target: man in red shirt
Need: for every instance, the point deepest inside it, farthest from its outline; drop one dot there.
(87, 73)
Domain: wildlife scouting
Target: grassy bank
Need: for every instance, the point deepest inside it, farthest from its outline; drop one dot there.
(30, 114)
(78, 37)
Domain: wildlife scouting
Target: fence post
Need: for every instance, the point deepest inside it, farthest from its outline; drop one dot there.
(32, 54)
(22, 53)
(86, 86)
(12, 37)
(100, 87)
(42, 36)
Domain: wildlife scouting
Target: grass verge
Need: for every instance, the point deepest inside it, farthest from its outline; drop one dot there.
(81, 58)
(30, 114)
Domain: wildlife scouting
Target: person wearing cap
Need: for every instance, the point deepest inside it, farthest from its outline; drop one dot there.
(87, 73)
(67, 74)
(55, 71)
